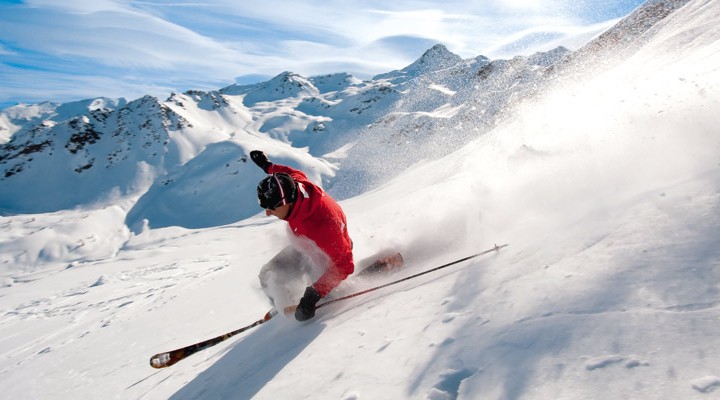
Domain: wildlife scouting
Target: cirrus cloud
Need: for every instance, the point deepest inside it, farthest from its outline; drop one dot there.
(64, 51)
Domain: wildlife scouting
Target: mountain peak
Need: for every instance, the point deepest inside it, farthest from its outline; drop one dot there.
(285, 85)
(436, 58)
(334, 82)
(439, 53)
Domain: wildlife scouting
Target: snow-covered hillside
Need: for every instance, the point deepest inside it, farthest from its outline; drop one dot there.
(606, 186)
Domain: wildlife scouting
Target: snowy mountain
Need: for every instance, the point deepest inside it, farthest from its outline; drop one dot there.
(600, 172)
(15, 118)
(103, 148)
(91, 156)
(436, 59)
(628, 35)
(367, 131)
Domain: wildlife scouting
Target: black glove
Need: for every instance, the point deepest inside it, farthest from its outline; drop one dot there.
(306, 309)
(260, 159)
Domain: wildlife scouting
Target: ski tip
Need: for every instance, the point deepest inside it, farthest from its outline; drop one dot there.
(161, 360)
(394, 261)
(269, 315)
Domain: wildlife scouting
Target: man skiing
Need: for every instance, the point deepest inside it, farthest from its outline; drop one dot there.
(321, 244)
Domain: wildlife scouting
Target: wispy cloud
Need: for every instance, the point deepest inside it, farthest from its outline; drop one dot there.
(73, 49)
(541, 38)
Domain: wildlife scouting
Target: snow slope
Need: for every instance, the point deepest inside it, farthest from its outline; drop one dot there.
(607, 189)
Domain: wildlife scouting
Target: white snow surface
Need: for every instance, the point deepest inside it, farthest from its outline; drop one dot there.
(607, 190)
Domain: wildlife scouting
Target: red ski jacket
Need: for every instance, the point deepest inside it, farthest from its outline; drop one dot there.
(319, 218)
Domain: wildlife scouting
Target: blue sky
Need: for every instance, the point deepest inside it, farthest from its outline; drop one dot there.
(76, 49)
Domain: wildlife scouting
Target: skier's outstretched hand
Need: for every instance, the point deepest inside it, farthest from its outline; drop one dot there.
(260, 159)
(306, 309)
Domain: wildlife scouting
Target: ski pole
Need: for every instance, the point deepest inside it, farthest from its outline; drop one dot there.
(291, 309)
(168, 358)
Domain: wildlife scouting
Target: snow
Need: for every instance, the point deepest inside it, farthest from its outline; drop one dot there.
(607, 189)
(442, 89)
(706, 384)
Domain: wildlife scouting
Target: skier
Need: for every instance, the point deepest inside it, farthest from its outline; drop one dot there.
(321, 244)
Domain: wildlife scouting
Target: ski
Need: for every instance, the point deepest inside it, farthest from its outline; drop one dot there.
(383, 265)
(168, 358)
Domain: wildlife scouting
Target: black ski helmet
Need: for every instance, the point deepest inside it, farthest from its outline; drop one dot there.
(276, 190)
